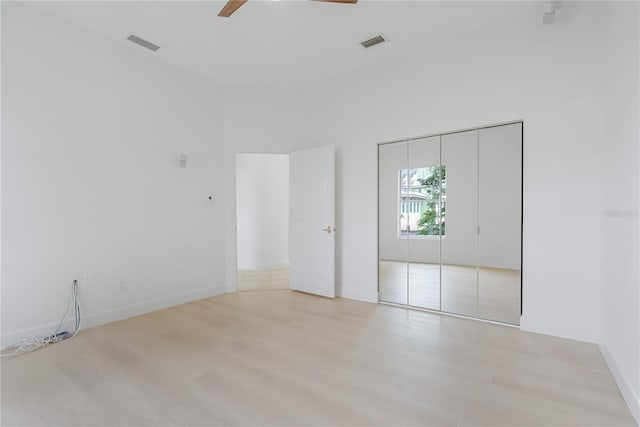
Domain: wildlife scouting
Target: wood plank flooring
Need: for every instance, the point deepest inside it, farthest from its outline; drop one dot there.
(291, 359)
(262, 280)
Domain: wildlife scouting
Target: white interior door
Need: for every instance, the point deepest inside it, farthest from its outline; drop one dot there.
(312, 220)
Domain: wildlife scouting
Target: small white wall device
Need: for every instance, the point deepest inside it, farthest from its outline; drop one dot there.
(550, 8)
(182, 160)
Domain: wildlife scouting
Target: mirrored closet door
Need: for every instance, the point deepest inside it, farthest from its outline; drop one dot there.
(450, 222)
(459, 246)
(421, 220)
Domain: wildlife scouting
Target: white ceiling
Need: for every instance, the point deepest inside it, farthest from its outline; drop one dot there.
(284, 43)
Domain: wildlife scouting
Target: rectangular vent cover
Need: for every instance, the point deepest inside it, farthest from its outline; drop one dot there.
(373, 41)
(143, 42)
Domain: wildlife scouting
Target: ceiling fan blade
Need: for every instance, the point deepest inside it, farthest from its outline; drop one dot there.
(339, 1)
(230, 7)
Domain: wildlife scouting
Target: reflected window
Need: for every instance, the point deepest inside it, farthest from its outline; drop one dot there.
(422, 201)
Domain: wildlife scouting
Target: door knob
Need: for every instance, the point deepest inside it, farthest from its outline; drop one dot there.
(328, 229)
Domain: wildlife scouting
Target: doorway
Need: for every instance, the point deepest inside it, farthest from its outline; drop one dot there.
(262, 221)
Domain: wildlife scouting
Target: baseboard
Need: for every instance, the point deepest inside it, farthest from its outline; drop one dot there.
(633, 400)
(357, 295)
(569, 331)
(90, 320)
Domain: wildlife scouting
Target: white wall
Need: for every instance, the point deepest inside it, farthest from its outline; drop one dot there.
(620, 341)
(262, 207)
(90, 184)
(549, 76)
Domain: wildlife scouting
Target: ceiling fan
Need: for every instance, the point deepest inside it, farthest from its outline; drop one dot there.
(233, 5)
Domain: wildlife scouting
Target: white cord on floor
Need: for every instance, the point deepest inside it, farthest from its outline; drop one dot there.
(34, 342)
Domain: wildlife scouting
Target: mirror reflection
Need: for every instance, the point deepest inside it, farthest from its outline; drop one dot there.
(460, 246)
(393, 267)
(423, 192)
(500, 217)
(450, 223)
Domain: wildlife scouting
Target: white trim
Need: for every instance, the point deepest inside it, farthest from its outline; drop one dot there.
(633, 401)
(107, 316)
(414, 138)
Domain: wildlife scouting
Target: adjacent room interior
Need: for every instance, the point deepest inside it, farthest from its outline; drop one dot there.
(320, 213)
(262, 221)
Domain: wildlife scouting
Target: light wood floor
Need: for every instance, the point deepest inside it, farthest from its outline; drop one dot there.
(485, 293)
(262, 280)
(287, 358)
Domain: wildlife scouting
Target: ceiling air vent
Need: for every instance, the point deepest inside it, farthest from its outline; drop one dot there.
(373, 41)
(143, 42)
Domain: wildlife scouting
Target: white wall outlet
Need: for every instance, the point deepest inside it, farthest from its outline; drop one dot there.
(87, 279)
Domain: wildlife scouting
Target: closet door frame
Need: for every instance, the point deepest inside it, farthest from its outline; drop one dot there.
(522, 197)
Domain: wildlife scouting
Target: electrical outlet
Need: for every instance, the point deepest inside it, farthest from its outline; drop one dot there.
(87, 279)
